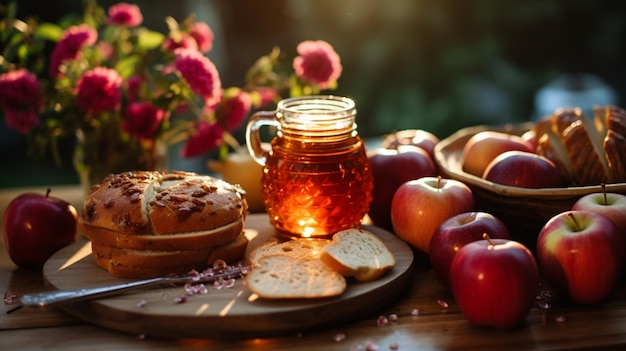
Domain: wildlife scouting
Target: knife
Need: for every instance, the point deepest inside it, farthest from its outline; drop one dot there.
(51, 298)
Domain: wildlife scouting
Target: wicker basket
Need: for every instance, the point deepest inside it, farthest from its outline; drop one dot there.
(523, 210)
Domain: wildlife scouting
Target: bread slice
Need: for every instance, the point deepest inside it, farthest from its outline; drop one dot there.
(131, 272)
(589, 162)
(151, 258)
(549, 145)
(614, 143)
(180, 241)
(127, 263)
(303, 249)
(358, 253)
(615, 119)
(615, 149)
(283, 277)
(229, 252)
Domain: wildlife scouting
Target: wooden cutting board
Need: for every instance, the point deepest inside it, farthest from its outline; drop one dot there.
(225, 313)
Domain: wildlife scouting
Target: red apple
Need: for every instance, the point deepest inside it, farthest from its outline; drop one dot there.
(458, 231)
(36, 226)
(417, 137)
(481, 148)
(611, 205)
(494, 282)
(420, 206)
(523, 169)
(580, 254)
(390, 169)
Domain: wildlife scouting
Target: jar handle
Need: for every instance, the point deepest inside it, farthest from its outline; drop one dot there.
(253, 134)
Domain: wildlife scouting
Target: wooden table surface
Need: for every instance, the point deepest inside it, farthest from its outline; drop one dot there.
(438, 325)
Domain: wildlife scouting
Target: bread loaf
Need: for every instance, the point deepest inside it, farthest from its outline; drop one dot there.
(147, 223)
(587, 151)
(358, 253)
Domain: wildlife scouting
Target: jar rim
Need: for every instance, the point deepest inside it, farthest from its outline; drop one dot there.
(317, 104)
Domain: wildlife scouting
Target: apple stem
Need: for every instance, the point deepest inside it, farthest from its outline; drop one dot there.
(571, 214)
(48, 190)
(438, 184)
(606, 202)
(486, 237)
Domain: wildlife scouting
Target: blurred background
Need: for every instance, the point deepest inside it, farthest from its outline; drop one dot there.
(434, 65)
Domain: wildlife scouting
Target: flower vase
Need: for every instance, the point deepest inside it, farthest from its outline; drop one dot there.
(100, 152)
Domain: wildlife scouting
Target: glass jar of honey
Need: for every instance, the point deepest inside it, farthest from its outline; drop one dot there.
(316, 177)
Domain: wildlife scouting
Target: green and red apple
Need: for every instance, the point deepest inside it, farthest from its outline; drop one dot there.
(581, 255)
(420, 206)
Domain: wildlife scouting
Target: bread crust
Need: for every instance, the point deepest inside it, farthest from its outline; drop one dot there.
(358, 253)
(151, 202)
(145, 264)
(180, 241)
(615, 148)
(152, 258)
(587, 162)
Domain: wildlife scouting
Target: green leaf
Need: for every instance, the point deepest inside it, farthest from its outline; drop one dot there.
(148, 40)
(127, 66)
(49, 31)
(22, 52)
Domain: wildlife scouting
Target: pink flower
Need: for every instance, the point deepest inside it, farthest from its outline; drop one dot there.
(106, 49)
(20, 88)
(318, 63)
(142, 119)
(134, 84)
(234, 110)
(185, 41)
(201, 74)
(99, 90)
(68, 48)
(203, 35)
(125, 14)
(22, 120)
(207, 138)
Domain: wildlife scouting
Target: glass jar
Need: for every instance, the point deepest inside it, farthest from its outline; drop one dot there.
(316, 177)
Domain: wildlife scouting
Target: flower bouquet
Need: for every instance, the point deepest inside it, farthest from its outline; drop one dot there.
(126, 92)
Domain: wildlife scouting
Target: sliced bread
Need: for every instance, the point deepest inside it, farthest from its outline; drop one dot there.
(127, 263)
(296, 248)
(358, 253)
(280, 276)
(187, 241)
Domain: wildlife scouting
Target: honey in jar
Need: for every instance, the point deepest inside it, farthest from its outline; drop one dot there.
(316, 177)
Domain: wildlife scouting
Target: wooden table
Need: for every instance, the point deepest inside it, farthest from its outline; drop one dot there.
(435, 327)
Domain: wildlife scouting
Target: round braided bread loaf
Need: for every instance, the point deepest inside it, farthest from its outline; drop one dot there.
(150, 223)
